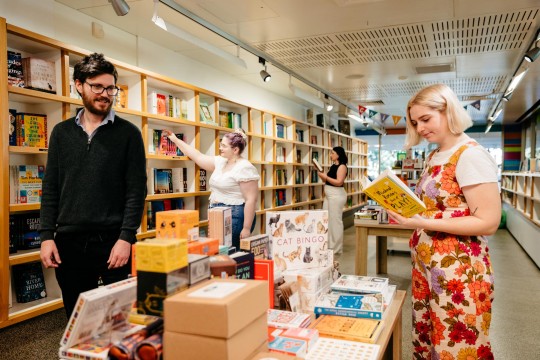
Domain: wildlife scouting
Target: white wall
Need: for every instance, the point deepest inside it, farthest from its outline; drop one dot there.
(55, 20)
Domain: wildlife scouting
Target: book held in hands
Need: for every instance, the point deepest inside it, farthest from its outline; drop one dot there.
(317, 165)
(393, 194)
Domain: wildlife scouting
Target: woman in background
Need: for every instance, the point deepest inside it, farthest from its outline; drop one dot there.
(234, 180)
(335, 197)
(452, 277)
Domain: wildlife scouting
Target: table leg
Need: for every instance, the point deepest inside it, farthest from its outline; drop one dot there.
(396, 339)
(360, 264)
(381, 256)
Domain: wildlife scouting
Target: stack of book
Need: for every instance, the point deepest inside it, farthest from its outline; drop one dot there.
(354, 309)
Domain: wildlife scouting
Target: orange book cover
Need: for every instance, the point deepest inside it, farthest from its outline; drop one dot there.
(348, 328)
(264, 270)
(204, 246)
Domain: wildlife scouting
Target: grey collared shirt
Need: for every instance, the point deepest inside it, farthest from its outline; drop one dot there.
(109, 117)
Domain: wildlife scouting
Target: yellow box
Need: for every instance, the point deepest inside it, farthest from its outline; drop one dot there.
(161, 255)
(177, 224)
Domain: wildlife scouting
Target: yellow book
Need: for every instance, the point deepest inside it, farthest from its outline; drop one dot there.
(348, 328)
(393, 194)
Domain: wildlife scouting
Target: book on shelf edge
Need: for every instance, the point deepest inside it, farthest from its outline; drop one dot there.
(317, 165)
(341, 327)
(392, 194)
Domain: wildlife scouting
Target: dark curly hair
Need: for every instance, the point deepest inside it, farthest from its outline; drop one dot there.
(93, 65)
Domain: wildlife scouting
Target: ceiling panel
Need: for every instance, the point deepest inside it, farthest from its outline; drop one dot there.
(358, 50)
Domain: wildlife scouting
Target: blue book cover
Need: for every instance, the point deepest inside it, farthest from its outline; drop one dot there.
(369, 306)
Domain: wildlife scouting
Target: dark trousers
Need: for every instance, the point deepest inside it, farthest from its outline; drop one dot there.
(84, 262)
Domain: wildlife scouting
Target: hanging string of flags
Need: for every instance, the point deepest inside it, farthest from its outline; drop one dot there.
(372, 114)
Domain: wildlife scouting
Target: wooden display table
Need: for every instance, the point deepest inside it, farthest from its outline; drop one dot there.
(391, 337)
(381, 231)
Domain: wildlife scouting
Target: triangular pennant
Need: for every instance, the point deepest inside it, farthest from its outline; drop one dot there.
(384, 117)
(396, 119)
(475, 104)
(361, 109)
(372, 113)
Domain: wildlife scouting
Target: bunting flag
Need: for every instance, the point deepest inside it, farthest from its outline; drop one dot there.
(361, 109)
(396, 119)
(475, 104)
(372, 113)
(384, 117)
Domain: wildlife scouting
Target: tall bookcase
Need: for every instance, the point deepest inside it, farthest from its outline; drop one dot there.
(279, 146)
(520, 193)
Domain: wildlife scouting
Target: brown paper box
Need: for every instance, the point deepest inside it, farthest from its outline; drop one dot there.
(238, 347)
(218, 317)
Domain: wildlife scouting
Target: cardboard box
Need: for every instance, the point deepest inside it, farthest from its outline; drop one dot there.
(310, 280)
(161, 255)
(218, 307)
(153, 288)
(177, 224)
(204, 246)
(240, 346)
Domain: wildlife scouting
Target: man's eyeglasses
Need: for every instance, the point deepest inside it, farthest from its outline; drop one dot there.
(98, 89)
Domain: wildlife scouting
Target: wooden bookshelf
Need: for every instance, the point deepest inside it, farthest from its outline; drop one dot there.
(278, 145)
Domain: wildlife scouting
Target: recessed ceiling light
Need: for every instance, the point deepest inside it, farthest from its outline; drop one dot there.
(354, 76)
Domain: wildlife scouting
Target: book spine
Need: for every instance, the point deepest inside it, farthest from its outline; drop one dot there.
(353, 313)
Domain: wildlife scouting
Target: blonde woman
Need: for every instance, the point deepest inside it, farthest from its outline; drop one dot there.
(452, 276)
(234, 180)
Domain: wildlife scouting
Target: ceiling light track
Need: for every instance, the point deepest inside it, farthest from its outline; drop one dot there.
(529, 57)
(190, 15)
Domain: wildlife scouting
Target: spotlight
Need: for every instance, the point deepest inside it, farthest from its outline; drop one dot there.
(328, 103)
(265, 76)
(532, 54)
(120, 7)
(507, 96)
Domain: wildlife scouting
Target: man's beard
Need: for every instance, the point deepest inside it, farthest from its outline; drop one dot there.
(88, 102)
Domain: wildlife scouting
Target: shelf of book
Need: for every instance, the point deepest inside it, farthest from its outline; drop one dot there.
(27, 150)
(16, 208)
(39, 307)
(24, 256)
(520, 192)
(279, 146)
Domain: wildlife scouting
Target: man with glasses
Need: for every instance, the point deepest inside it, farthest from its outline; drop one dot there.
(94, 188)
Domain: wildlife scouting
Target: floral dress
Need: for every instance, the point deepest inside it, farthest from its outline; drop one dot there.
(452, 278)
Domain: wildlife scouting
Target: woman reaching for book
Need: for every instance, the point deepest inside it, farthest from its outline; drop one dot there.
(452, 276)
(234, 180)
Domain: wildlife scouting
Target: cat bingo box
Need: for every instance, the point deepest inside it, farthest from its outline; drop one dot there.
(298, 238)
